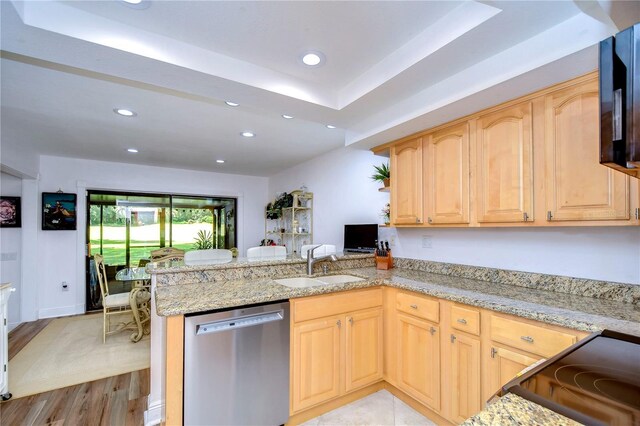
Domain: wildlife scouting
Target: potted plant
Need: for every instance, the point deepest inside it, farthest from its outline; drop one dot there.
(381, 174)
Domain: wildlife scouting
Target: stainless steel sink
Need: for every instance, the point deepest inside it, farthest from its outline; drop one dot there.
(303, 282)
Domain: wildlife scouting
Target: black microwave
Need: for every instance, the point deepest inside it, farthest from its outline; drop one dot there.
(620, 101)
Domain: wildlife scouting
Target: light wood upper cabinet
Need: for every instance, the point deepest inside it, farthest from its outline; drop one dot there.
(316, 362)
(446, 175)
(465, 380)
(578, 187)
(363, 348)
(418, 359)
(406, 183)
(504, 165)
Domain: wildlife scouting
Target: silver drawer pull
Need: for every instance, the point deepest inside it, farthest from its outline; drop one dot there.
(528, 339)
(462, 320)
(432, 331)
(414, 306)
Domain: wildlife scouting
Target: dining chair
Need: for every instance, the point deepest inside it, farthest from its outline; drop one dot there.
(112, 304)
(323, 250)
(266, 251)
(167, 253)
(199, 257)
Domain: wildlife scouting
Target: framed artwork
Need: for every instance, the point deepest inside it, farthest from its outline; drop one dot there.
(58, 211)
(10, 214)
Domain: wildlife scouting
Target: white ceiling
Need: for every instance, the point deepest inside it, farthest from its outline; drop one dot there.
(391, 69)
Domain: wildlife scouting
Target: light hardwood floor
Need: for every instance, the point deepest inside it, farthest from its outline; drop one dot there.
(117, 400)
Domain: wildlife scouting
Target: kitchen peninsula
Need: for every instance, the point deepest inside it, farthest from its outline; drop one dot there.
(465, 314)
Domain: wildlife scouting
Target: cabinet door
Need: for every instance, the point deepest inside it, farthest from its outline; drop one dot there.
(316, 362)
(504, 165)
(505, 364)
(578, 187)
(363, 348)
(446, 171)
(406, 182)
(418, 358)
(465, 377)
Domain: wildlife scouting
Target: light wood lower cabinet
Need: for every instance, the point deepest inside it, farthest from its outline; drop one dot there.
(450, 358)
(316, 362)
(363, 348)
(335, 354)
(505, 364)
(418, 359)
(464, 352)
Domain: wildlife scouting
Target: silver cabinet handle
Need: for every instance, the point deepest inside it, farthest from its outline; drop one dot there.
(339, 323)
(494, 351)
(432, 331)
(351, 320)
(525, 216)
(453, 338)
(462, 320)
(549, 215)
(528, 339)
(414, 306)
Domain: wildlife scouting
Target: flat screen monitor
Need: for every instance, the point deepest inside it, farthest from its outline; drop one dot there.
(360, 238)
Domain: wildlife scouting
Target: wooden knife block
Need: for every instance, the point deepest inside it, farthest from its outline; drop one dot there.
(384, 262)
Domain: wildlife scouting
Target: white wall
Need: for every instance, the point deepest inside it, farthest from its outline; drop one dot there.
(61, 253)
(343, 193)
(10, 251)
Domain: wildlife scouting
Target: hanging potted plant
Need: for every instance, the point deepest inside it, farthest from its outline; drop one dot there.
(381, 174)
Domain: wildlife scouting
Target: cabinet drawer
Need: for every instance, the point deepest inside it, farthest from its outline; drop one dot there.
(465, 319)
(528, 337)
(333, 304)
(419, 306)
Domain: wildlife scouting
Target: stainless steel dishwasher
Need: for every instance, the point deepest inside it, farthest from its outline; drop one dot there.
(236, 366)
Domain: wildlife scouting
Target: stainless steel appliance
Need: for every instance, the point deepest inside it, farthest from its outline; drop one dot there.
(620, 101)
(236, 366)
(596, 381)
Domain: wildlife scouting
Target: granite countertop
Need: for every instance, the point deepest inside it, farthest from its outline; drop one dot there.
(567, 310)
(514, 410)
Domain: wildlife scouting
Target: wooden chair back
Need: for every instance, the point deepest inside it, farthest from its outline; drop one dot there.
(167, 253)
(102, 275)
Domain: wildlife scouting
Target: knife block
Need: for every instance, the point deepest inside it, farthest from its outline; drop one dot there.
(384, 262)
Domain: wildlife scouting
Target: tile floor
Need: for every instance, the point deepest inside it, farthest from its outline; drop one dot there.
(380, 408)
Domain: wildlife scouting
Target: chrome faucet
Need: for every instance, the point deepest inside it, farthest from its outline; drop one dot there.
(311, 261)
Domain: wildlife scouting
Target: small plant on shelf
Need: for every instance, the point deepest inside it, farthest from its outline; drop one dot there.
(274, 209)
(381, 174)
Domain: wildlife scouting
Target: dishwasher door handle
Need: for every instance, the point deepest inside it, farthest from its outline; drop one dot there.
(229, 324)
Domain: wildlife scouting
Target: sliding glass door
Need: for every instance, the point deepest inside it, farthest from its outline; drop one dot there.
(126, 227)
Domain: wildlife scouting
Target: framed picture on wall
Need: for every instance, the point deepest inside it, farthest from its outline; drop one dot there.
(58, 211)
(10, 214)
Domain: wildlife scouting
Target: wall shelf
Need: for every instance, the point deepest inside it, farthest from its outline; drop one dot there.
(299, 215)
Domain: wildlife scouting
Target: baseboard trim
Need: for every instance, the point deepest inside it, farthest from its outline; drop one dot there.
(319, 410)
(63, 311)
(153, 414)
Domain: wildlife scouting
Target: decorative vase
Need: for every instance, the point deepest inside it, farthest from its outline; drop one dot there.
(386, 182)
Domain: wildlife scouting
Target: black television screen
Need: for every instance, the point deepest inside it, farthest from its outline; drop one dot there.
(360, 238)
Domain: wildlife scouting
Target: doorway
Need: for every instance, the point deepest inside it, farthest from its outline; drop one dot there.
(125, 227)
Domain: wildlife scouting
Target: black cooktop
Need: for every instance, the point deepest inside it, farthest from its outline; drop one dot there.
(596, 381)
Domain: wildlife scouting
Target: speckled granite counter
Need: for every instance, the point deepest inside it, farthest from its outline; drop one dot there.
(513, 410)
(568, 310)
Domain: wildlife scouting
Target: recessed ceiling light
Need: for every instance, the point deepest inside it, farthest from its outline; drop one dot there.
(132, 1)
(133, 150)
(232, 104)
(220, 161)
(125, 112)
(248, 134)
(312, 59)
(288, 117)
(329, 126)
